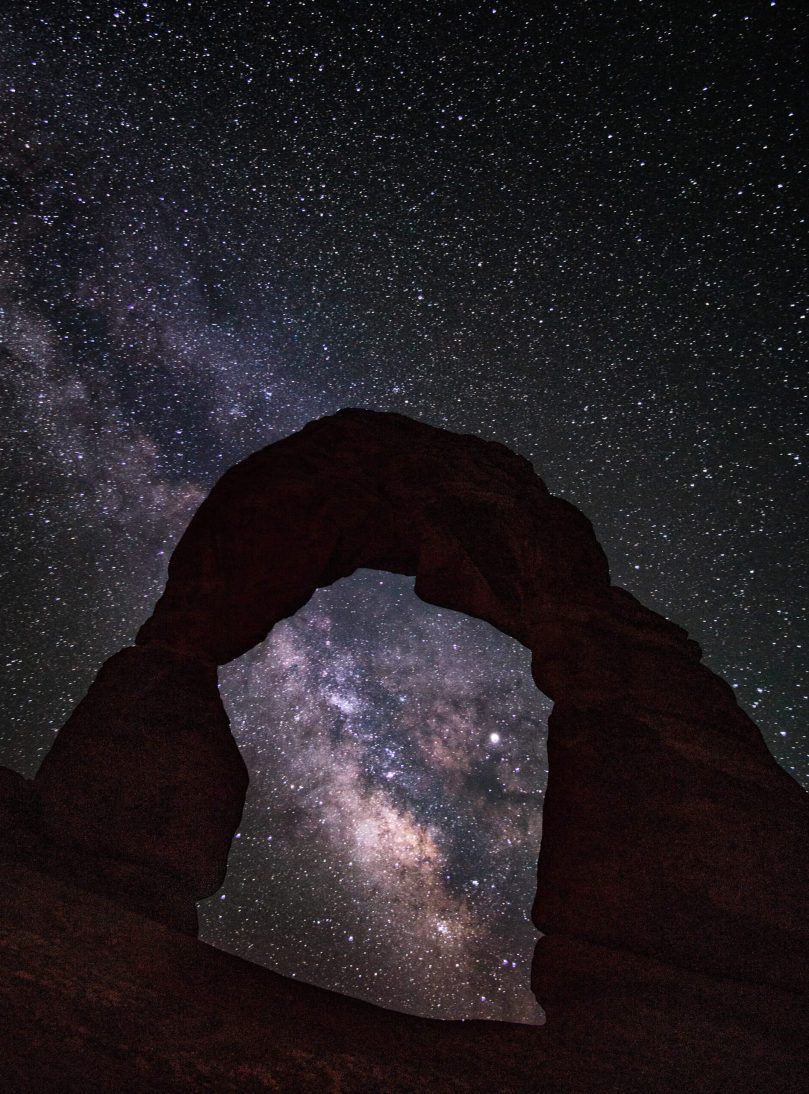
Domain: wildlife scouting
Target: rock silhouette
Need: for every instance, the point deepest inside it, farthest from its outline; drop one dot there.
(673, 867)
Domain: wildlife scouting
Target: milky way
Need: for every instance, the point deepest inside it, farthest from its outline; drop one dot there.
(576, 232)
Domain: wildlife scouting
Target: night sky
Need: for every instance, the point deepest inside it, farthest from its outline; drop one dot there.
(578, 232)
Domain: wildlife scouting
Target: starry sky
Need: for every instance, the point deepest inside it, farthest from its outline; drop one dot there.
(576, 228)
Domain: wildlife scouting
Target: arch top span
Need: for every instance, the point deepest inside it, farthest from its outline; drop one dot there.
(468, 518)
(663, 804)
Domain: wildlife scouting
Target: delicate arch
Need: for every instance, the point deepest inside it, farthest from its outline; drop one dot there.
(661, 796)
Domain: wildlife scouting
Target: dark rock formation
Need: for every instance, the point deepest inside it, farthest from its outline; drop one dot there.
(94, 997)
(146, 771)
(673, 853)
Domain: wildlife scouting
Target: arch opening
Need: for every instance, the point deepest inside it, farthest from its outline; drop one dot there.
(388, 845)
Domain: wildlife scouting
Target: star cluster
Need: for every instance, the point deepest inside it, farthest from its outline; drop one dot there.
(576, 229)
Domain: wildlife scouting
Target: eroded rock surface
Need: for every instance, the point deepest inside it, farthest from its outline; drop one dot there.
(672, 840)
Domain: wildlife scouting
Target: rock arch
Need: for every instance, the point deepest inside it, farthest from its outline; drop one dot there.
(669, 831)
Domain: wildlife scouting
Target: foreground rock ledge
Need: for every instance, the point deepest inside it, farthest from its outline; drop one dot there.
(672, 880)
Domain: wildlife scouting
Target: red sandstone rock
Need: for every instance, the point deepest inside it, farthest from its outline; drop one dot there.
(95, 998)
(146, 770)
(671, 837)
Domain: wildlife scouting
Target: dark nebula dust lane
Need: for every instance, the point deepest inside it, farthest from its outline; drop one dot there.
(578, 232)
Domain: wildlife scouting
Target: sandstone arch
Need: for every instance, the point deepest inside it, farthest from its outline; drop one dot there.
(669, 831)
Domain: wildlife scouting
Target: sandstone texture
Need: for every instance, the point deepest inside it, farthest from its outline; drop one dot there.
(673, 880)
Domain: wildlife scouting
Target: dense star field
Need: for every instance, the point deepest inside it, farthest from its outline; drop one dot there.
(578, 232)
